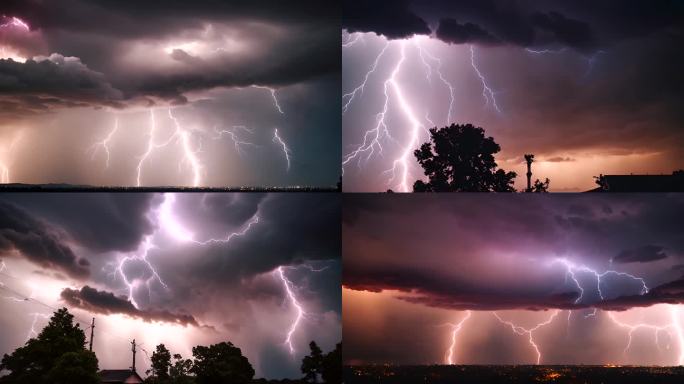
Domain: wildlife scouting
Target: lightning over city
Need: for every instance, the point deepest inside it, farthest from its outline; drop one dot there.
(160, 105)
(547, 79)
(579, 279)
(261, 271)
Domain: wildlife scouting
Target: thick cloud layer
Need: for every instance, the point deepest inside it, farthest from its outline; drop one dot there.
(513, 252)
(106, 303)
(281, 38)
(38, 241)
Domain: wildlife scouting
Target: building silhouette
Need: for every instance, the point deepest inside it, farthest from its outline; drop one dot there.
(641, 183)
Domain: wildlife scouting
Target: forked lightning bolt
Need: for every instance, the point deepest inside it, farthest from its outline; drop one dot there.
(373, 138)
(181, 136)
(674, 328)
(529, 332)
(287, 284)
(456, 328)
(487, 92)
(286, 150)
(273, 95)
(234, 136)
(104, 143)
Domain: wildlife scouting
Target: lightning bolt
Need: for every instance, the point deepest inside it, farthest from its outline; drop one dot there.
(32, 331)
(286, 151)
(104, 143)
(446, 82)
(273, 95)
(15, 22)
(487, 92)
(287, 284)
(5, 164)
(416, 127)
(235, 138)
(529, 332)
(351, 39)
(572, 269)
(188, 152)
(139, 255)
(150, 146)
(456, 328)
(179, 135)
(347, 98)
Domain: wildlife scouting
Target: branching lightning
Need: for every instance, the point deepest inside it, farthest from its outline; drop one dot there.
(273, 95)
(529, 332)
(189, 154)
(373, 138)
(104, 143)
(456, 328)
(232, 133)
(286, 150)
(181, 136)
(572, 271)
(487, 92)
(287, 284)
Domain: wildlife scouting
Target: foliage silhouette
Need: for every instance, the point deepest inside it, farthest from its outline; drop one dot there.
(332, 366)
(221, 363)
(312, 365)
(459, 158)
(541, 187)
(161, 363)
(59, 350)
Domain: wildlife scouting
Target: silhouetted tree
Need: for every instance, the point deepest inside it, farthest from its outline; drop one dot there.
(332, 366)
(180, 370)
(541, 187)
(161, 363)
(221, 363)
(74, 367)
(312, 365)
(58, 351)
(460, 158)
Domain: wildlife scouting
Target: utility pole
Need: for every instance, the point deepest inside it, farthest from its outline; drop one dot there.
(529, 159)
(133, 349)
(92, 333)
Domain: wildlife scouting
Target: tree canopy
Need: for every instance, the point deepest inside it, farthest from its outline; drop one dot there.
(459, 158)
(51, 357)
(221, 363)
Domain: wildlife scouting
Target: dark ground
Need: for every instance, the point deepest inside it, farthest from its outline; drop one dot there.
(442, 374)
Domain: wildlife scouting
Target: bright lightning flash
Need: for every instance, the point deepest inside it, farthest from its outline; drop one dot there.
(286, 150)
(104, 143)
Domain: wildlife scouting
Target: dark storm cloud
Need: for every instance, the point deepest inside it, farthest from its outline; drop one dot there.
(582, 25)
(451, 31)
(296, 229)
(100, 34)
(642, 254)
(99, 221)
(106, 303)
(507, 253)
(391, 18)
(38, 242)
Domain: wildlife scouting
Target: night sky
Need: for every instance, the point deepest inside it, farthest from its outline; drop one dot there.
(416, 266)
(146, 267)
(77, 73)
(589, 87)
